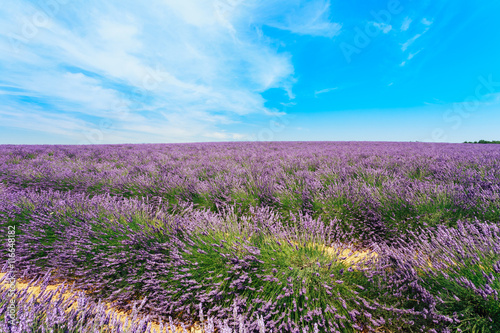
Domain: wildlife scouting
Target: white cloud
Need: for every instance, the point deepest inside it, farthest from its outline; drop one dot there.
(411, 55)
(38, 120)
(410, 41)
(194, 64)
(312, 18)
(426, 22)
(225, 136)
(406, 24)
(324, 91)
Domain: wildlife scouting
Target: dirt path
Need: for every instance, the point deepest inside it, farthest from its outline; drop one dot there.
(345, 254)
(123, 316)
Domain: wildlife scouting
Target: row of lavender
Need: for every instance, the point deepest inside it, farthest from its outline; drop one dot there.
(50, 311)
(120, 221)
(391, 186)
(242, 267)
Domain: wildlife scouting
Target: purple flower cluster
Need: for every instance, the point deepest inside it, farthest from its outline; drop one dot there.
(254, 233)
(47, 311)
(385, 186)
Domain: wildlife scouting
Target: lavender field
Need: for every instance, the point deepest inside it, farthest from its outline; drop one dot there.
(274, 237)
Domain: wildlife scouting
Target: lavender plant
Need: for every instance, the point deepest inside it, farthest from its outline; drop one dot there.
(255, 231)
(53, 311)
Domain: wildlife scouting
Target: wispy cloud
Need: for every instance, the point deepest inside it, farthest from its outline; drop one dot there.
(324, 91)
(427, 22)
(406, 24)
(172, 70)
(310, 18)
(411, 55)
(410, 41)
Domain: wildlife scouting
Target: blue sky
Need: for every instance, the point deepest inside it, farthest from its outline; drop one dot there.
(95, 72)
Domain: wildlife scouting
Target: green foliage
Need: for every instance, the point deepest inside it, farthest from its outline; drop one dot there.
(303, 268)
(476, 313)
(484, 141)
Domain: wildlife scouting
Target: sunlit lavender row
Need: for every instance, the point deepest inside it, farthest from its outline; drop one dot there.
(337, 237)
(50, 311)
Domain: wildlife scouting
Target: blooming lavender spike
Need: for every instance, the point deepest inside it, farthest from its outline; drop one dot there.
(260, 323)
(201, 313)
(171, 325)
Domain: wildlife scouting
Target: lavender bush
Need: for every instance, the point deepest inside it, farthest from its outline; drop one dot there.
(256, 232)
(51, 311)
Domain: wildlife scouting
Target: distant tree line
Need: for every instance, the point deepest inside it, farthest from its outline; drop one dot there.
(482, 141)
